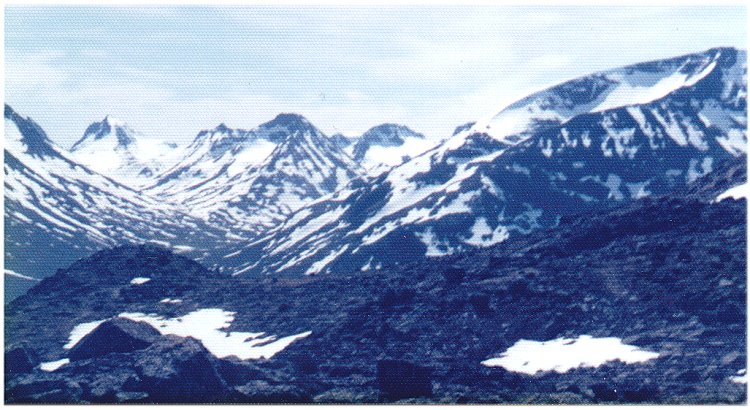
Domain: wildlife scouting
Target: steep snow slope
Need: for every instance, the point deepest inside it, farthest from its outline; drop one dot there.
(214, 154)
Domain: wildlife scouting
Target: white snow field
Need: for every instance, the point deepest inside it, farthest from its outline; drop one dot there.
(561, 355)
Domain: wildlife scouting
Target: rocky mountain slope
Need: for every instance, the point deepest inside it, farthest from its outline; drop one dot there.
(587, 144)
(663, 277)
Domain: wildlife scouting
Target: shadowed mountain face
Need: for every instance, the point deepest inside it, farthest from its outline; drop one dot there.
(663, 274)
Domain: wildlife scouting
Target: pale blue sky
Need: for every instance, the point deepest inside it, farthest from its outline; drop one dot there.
(170, 72)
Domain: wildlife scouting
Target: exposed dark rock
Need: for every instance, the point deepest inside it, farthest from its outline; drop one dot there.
(604, 392)
(260, 391)
(131, 397)
(180, 370)
(116, 335)
(350, 396)
(19, 359)
(237, 372)
(640, 394)
(398, 379)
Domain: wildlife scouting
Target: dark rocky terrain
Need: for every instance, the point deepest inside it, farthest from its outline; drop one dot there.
(667, 274)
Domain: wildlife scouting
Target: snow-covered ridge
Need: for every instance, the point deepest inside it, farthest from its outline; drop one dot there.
(631, 85)
(475, 190)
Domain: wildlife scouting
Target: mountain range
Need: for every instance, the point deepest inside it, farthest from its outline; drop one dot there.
(285, 198)
(280, 264)
(589, 144)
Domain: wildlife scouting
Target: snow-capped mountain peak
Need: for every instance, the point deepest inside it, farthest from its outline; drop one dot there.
(217, 141)
(387, 145)
(252, 179)
(112, 148)
(289, 123)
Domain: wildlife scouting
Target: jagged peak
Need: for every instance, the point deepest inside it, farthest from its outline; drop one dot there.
(99, 130)
(292, 122)
(33, 136)
(222, 128)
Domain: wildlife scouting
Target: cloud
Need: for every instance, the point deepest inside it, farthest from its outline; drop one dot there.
(174, 71)
(33, 72)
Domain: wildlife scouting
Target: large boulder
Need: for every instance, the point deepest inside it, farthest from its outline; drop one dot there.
(180, 370)
(117, 335)
(19, 359)
(398, 379)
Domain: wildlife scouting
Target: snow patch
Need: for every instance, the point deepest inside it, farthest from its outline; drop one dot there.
(435, 247)
(207, 326)
(318, 266)
(80, 331)
(483, 235)
(251, 155)
(139, 281)
(738, 192)
(741, 377)
(52, 366)
(561, 355)
(393, 156)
